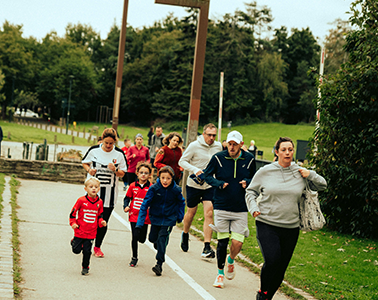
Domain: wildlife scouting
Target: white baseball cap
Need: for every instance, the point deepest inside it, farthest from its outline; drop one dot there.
(234, 136)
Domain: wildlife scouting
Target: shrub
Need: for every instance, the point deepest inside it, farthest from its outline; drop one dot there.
(347, 138)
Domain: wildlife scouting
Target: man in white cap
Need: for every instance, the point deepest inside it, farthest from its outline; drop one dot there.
(230, 172)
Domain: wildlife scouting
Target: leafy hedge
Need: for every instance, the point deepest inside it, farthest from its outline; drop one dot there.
(347, 139)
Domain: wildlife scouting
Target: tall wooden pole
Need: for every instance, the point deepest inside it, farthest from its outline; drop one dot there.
(199, 62)
(121, 56)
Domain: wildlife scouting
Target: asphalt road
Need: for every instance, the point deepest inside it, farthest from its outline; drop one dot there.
(51, 271)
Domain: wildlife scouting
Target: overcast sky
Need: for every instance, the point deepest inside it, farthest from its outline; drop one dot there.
(40, 17)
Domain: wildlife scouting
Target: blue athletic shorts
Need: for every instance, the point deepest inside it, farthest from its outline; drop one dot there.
(195, 196)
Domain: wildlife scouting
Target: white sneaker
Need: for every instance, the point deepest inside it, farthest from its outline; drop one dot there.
(230, 269)
(219, 281)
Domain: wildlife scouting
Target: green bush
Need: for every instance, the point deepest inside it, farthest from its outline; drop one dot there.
(346, 141)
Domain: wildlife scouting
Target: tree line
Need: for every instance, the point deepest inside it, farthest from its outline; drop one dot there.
(267, 71)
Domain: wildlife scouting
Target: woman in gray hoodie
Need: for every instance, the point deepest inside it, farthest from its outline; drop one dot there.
(280, 185)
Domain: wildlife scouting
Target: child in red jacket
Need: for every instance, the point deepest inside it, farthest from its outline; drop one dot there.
(131, 204)
(85, 216)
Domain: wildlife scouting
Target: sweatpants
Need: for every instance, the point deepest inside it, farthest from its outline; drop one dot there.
(140, 239)
(101, 231)
(85, 245)
(159, 235)
(277, 245)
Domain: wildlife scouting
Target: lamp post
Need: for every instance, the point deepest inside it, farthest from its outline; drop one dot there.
(69, 102)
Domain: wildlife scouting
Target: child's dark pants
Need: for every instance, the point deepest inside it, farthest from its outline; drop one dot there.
(84, 245)
(160, 236)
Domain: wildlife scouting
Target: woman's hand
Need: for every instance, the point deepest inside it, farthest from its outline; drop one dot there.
(103, 223)
(74, 226)
(111, 167)
(127, 208)
(304, 172)
(92, 172)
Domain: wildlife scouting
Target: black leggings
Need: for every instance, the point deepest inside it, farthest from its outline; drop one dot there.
(101, 231)
(141, 239)
(277, 245)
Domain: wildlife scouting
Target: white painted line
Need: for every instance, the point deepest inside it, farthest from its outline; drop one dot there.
(180, 272)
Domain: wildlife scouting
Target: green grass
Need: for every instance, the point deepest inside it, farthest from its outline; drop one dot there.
(2, 183)
(264, 134)
(23, 133)
(14, 184)
(320, 266)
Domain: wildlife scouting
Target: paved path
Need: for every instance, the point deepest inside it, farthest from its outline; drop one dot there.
(52, 271)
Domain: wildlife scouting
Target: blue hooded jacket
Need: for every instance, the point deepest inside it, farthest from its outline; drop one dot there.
(167, 205)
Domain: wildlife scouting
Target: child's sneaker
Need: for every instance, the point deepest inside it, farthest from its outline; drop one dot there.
(133, 262)
(85, 271)
(158, 270)
(219, 281)
(230, 269)
(98, 252)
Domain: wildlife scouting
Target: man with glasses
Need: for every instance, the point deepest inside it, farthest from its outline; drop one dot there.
(194, 160)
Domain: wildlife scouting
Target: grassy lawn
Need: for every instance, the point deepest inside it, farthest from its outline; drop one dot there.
(264, 134)
(325, 264)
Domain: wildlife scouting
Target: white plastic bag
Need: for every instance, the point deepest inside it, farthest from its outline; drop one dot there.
(310, 215)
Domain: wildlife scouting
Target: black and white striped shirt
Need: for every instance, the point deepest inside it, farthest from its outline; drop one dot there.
(99, 159)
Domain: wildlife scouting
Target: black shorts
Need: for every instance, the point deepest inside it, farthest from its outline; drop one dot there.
(195, 196)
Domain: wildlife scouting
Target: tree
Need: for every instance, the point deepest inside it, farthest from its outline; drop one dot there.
(334, 45)
(61, 58)
(346, 140)
(271, 69)
(301, 52)
(16, 61)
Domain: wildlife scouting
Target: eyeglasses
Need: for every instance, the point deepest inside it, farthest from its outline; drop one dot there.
(211, 135)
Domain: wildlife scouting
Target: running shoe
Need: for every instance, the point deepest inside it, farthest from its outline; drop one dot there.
(157, 269)
(218, 283)
(208, 253)
(262, 295)
(185, 241)
(85, 271)
(230, 269)
(98, 252)
(133, 262)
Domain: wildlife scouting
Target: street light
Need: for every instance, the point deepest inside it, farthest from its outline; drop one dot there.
(69, 102)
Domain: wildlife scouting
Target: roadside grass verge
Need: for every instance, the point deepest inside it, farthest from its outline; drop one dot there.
(14, 184)
(326, 264)
(2, 184)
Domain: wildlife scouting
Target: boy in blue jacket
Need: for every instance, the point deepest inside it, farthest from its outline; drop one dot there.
(166, 207)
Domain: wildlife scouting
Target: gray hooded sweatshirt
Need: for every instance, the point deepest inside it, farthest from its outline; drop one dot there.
(281, 190)
(196, 157)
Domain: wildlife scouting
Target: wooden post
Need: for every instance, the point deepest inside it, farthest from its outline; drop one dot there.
(121, 56)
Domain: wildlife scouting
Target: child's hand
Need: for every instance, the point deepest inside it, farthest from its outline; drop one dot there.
(103, 223)
(74, 226)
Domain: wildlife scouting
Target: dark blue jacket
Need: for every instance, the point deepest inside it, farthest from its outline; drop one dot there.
(167, 205)
(223, 168)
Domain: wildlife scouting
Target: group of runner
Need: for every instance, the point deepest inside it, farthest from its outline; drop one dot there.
(218, 179)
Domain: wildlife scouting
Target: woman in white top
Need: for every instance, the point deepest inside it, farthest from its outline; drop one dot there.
(107, 163)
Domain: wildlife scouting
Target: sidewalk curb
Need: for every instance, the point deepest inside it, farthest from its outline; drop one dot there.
(6, 247)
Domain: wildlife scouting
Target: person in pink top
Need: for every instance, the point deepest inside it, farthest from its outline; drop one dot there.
(135, 154)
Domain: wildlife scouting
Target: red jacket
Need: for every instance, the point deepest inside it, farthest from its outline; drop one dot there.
(87, 213)
(169, 157)
(134, 199)
(142, 154)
